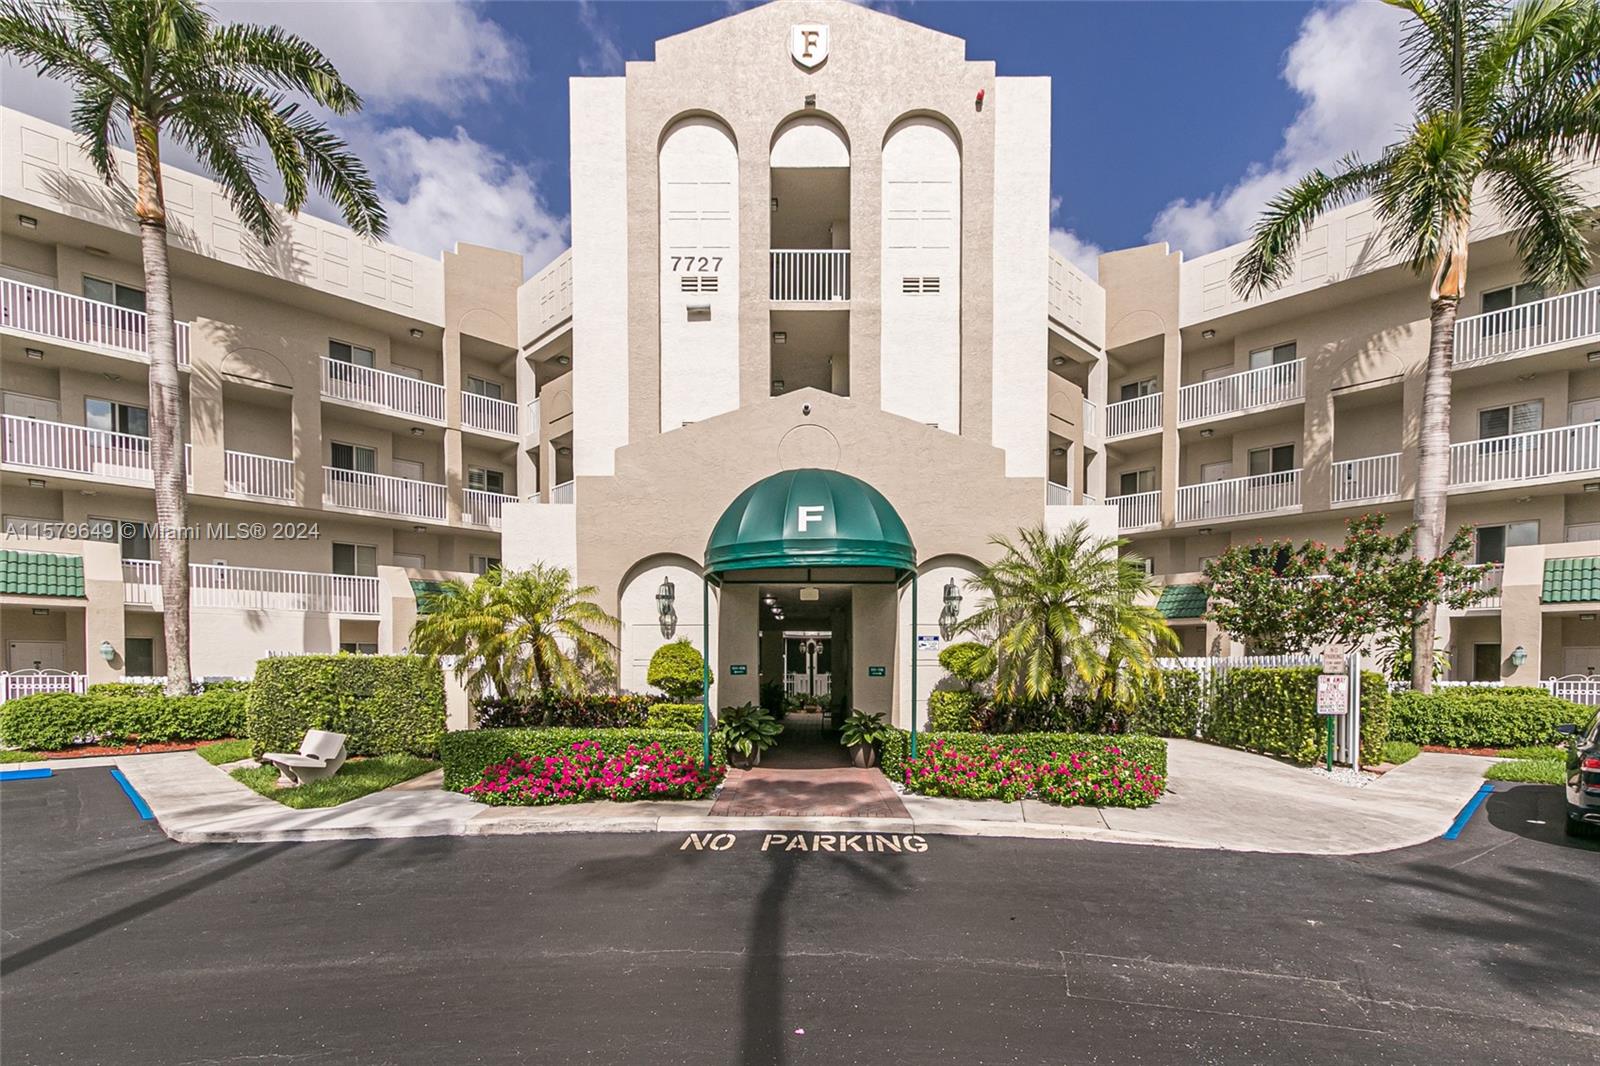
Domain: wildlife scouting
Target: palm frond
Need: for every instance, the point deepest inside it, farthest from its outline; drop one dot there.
(1269, 260)
(1545, 206)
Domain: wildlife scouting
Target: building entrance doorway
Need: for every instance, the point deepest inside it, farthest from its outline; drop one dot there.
(807, 664)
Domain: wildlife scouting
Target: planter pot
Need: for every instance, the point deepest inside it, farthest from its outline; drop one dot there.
(745, 762)
(863, 755)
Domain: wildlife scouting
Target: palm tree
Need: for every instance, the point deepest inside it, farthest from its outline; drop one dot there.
(167, 67)
(1507, 101)
(1064, 615)
(515, 633)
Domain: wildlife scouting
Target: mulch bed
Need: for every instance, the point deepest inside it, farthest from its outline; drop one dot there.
(1461, 751)
(85, 751)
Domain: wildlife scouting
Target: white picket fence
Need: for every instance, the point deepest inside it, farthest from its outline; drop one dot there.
(1578, 688)
(15, 684)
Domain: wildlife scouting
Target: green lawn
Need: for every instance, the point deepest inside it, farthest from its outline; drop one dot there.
(1399, 751)
(1532, 771)
(356, 778)
(1541, 753)
(19, 756)
(217, 752)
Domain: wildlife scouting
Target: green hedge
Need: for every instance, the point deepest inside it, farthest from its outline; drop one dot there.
(1472, 717)
(120, 714)
(384, 704)
(686, 716)
(953, 712)
(467, 751)
(1149, 750)
(1176, 710)
(1273, 710)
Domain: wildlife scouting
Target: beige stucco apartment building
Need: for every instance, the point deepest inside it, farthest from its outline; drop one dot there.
(809, 352)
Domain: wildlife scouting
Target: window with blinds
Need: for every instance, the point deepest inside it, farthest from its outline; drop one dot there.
(1510, 419)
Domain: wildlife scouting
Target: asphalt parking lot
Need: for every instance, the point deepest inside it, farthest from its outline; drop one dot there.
(117, 946)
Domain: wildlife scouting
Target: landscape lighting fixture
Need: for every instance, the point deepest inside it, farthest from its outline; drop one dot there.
(1594, 356)
(1586, 618)
(416, 333)
(419, 529)
(1204, 531)
(416, 431)
(1525, 377)
(1591, 486)
(33, 353)
(563, 450)
(777, 384)
(1206, 434)
(1058, 451)
(563, 360)
(27, 222)
(780, 337)
(1059, 360)
(1207, 334)
(45, 611)
(774, 203)
(36, 482)
(810, 594)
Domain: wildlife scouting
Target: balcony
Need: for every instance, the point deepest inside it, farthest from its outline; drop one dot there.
(566, 492)
(61, 317)
(1491, 576)
(1129, 418)
(381, 494)
(1139, 510)
(60, 448)
(821, 276)
(1366, 480)
(1553, 322)
(1057, 495)
(1252, 390)
(1239, 496)
(261, 477)
(251, 589)
(380, 390)
(489, 415)
(1543, 456)
(480, 508)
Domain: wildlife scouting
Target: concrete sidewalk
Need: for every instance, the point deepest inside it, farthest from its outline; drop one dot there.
(1216, 798)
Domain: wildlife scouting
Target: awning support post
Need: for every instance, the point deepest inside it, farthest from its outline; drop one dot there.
(705, 671)
(913, 664)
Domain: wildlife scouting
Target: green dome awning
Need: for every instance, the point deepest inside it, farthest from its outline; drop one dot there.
(809, 518)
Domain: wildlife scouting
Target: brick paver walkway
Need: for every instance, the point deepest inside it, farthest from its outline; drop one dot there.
(808, 773)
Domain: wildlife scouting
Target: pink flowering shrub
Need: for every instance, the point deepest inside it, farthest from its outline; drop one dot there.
(1104, 778)
(585, 772)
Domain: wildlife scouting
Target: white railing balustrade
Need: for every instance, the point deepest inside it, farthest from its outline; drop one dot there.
(1579, 688)
(1057, 495)
(1490, 578)
(141, 583)
(1374, 478)
(1141, 414)
(1546, 453)
(488, 414)
(64, 317)
(14, 684)
(393, 393)
(356, 490)
(63, 448)
(1263, 387)
(566, 492)
(255, 589)
(1137, 510)
(820, 276)
(482, 508)
(261, 476)
(1564, 319)
(1257, 494)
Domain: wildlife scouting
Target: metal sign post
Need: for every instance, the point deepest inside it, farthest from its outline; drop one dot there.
(1333, 700)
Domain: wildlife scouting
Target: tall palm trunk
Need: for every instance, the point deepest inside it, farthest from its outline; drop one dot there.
(168, 410)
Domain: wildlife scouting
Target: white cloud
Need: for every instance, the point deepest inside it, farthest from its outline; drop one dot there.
(1085, 255)
(607, 55)
(440, 190)
(1346, 65)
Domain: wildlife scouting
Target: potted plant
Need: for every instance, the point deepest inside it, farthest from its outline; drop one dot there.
(863, 734)
(750, 730)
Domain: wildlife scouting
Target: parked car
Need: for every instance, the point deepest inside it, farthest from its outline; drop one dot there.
(1583, 777)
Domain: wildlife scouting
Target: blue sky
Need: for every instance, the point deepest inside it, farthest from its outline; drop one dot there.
(1172, 120)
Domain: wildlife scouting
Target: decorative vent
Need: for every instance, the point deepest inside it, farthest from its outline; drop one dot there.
(919, 285)
(698, 283)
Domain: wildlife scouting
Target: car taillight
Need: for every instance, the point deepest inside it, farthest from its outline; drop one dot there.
(1591, 762)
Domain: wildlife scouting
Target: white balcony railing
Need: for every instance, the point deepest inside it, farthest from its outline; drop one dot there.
(1555, 320)
(356, 490)
(63, 448)
(488, 414)
(1374, 478)
(61, 316)
(1490, 578)
(480, 508)
(14, 684)
(394, 393)
(1265, 386)
(821, 276)
(264, 477)
(566, 492)
(1542, 455)
(1057, 495)
(1257, 494)
(253, 589)
(1142, 414)
(1137, 510)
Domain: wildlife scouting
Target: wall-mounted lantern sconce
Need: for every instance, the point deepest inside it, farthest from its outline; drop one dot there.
(107, 652)
(1519, 656)
(952, 609)
(666, 609)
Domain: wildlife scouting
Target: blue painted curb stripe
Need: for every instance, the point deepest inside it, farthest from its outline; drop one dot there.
(25, 775)
(1468, 811)
(138, 801)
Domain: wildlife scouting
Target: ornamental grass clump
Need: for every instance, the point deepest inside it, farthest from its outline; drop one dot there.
(585, 772)
(1102, 778)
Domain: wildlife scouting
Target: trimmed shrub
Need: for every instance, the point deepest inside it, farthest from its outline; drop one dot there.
(677, 669)
(116, 714)
(1273, 710)
(954, 712)
(685, 716)
(383, 704)
(962, 661)
(468, 752)
(1036, 747)
(1473, 717)
(586, 772)
(1176, 710)
(562, 710)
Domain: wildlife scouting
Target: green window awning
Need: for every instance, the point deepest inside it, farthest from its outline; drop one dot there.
(41, 574)
(1571, 580)
(810, 518)
(1183, 601)
(424, 591)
